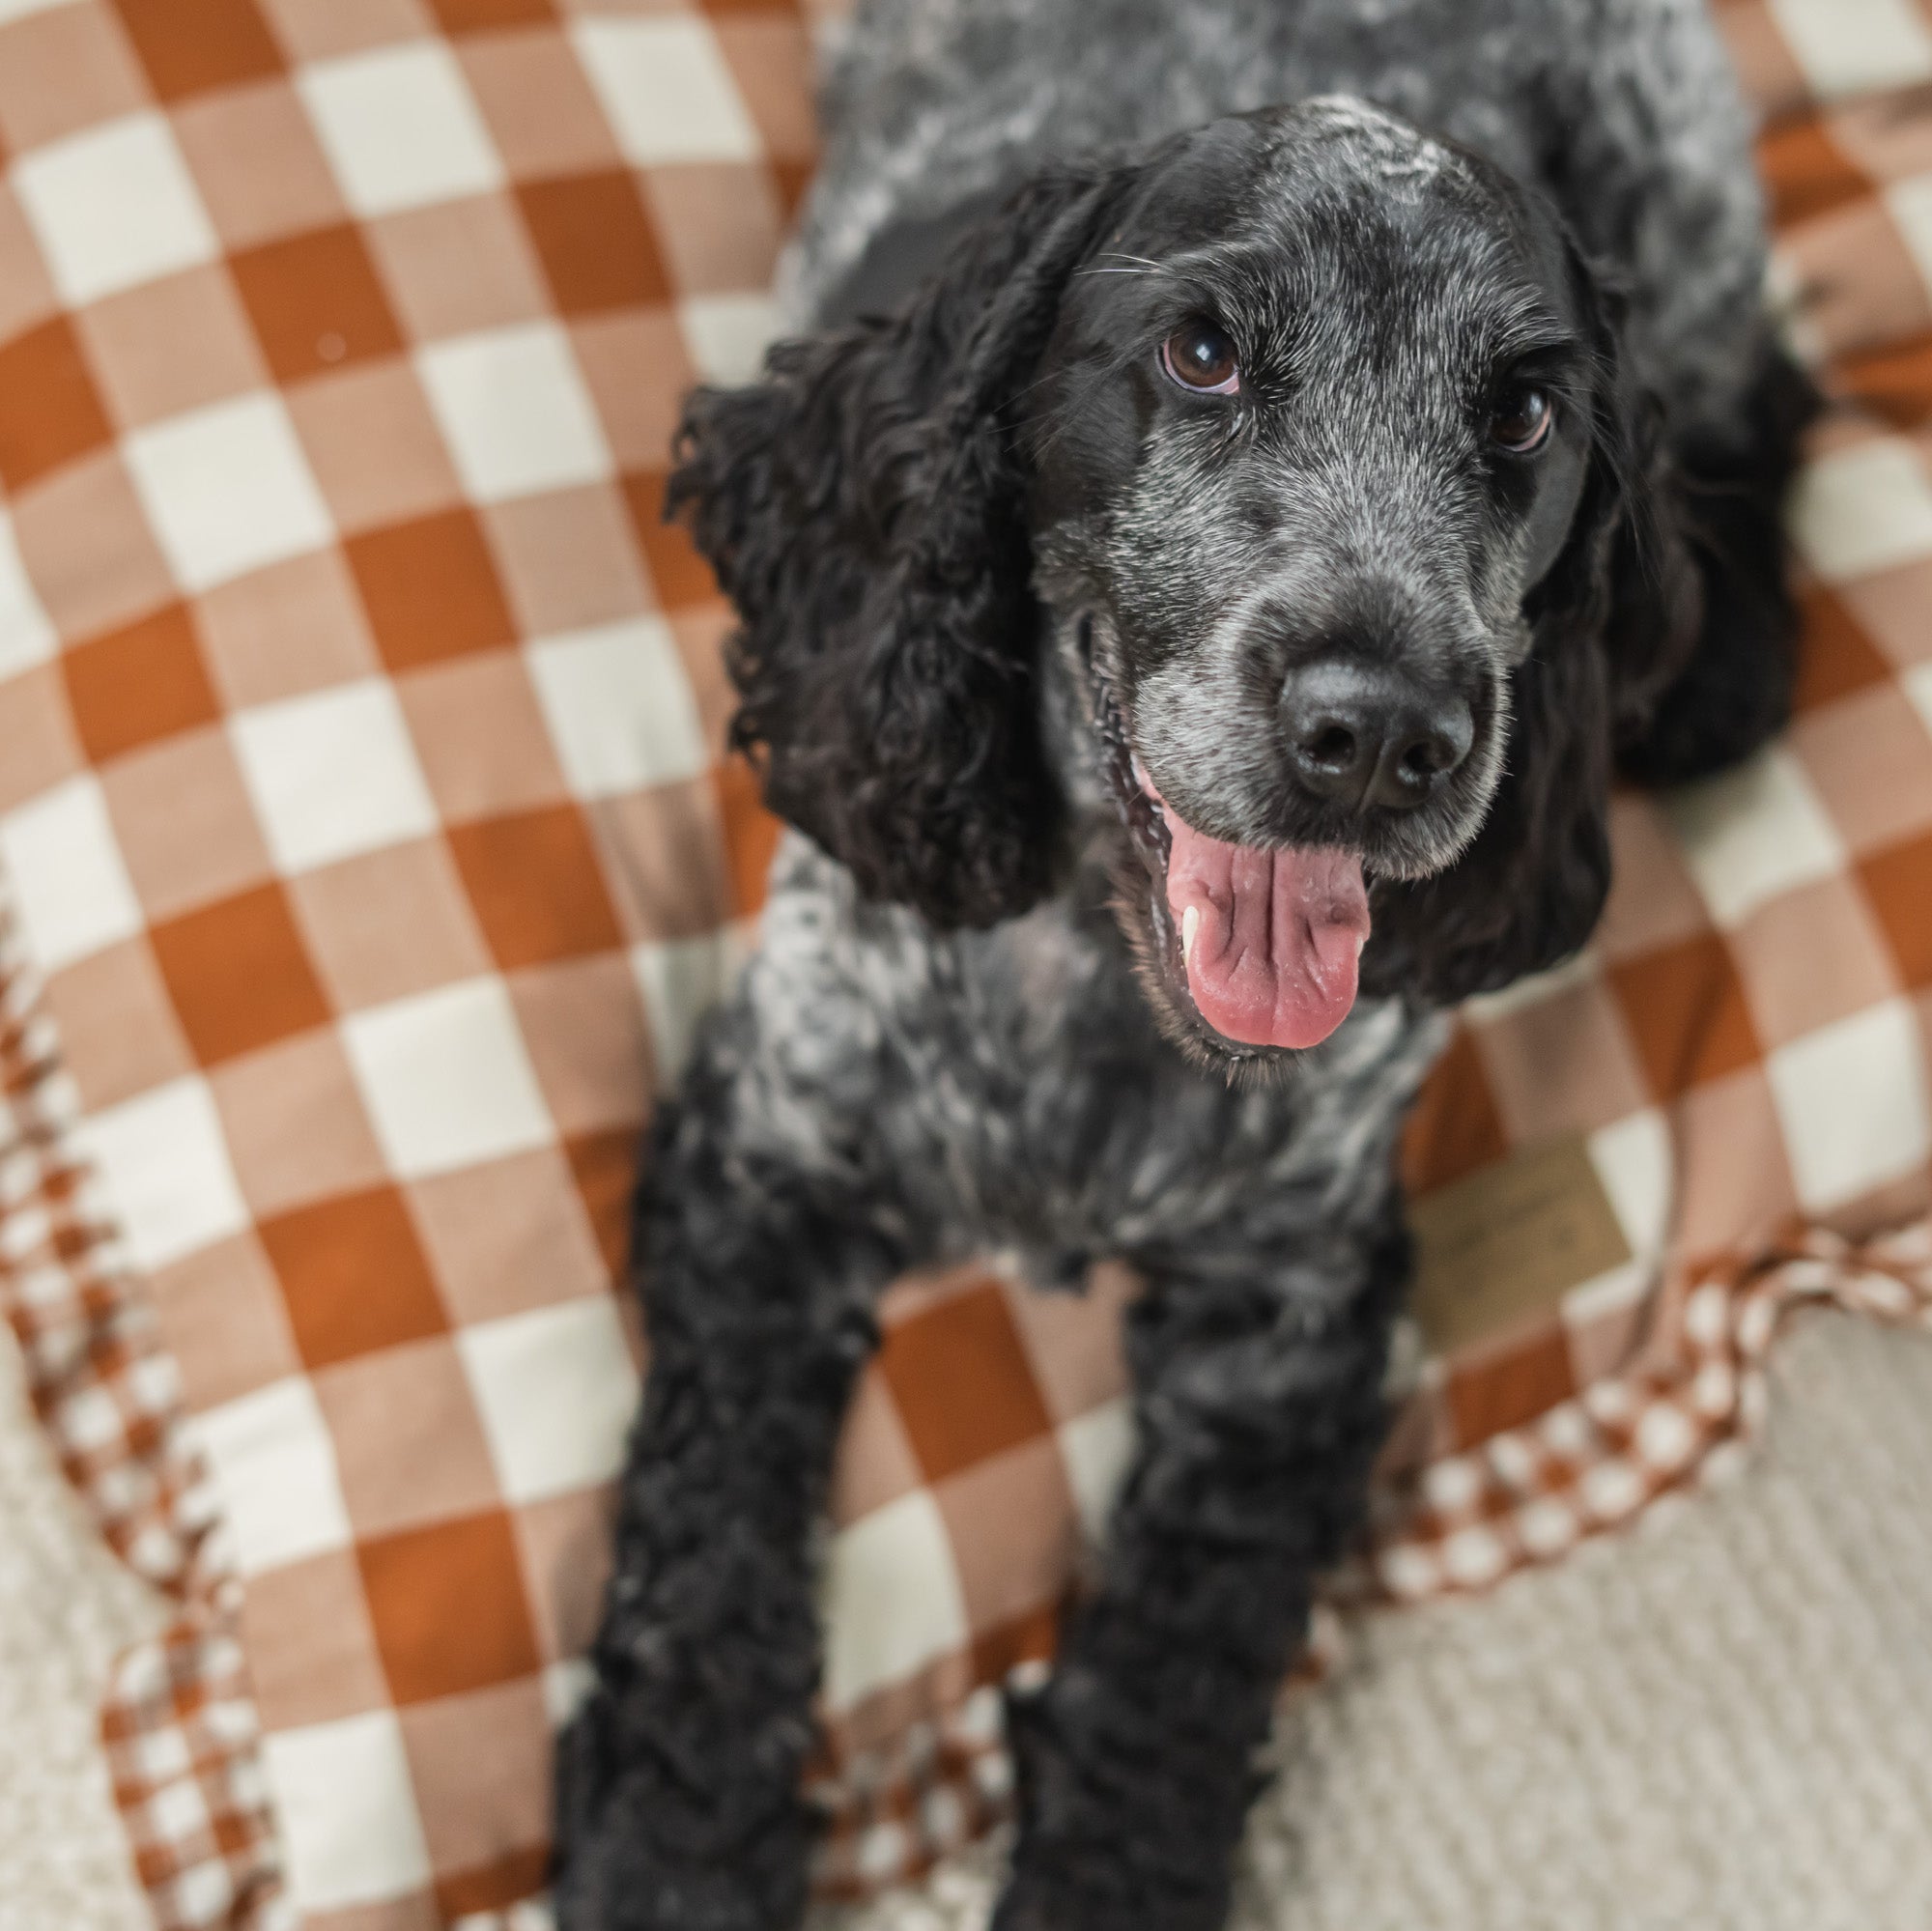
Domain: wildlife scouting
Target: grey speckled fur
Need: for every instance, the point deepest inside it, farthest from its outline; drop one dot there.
(1009, 1090)
(989, 550)
(1626, 111)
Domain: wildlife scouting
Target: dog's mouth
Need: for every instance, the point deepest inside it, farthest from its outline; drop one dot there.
(1270, 938)
(1263, 941)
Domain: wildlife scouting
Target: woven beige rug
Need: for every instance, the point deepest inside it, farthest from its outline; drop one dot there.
(66, 1607)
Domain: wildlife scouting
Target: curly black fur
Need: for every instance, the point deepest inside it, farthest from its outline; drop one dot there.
(708, 1652)
(987, 559)
(1253, 1482)
(1736, 690)
(866, 509)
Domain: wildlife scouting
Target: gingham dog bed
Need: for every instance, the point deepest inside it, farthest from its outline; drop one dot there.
(367, 856)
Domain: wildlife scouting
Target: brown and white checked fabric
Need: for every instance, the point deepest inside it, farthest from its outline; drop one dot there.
(1531, 1494)
(360, 801)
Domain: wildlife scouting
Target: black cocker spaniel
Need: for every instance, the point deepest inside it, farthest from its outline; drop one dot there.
(1199, 567)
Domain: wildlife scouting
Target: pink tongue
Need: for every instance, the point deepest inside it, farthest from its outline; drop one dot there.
(1274, 956)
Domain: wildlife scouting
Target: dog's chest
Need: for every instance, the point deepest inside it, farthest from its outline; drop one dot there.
(1116, 1141)
(1012, 1091)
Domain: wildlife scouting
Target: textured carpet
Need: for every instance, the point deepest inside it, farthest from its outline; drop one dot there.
(66, 1607)
(1720, 1723)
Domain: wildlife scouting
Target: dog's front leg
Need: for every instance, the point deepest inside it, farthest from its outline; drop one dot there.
(678, 1784)
(1258, 1408)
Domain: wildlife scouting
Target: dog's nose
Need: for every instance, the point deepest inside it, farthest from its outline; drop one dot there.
(1370, 736)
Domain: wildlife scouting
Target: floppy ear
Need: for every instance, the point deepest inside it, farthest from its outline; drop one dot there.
(1732, 687)
(864, 506)
(1626, 577)
(1612, 622)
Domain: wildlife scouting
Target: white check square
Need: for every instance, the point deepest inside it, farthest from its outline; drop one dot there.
(332, 774)
(556, 1390)
(164, 1161)
(1753, 832)
(177, 1811)
(1858, 510)
(514, 411)
(666, 90)
(27, 636)
(70, 886)
(1852, 1100)
(567, 1688)
(1635, 1161)
(619, 707)
(1096, 1448)
(727, 334)
(1851, 46)
(346, 1806)
(679, 982)
(400, 128)
(447, 1079)
(890, 1599)
(227, 490)
(274, 1468)
(114, 207)
(201, 1894)
(1917, 683)
(1910, 203)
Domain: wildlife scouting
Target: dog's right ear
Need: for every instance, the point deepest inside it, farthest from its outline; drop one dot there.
(865, 507)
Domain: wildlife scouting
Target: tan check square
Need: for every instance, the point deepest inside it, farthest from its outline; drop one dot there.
(66, 68)
(169, 345)
(370, 855)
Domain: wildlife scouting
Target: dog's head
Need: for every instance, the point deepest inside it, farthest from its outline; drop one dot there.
(1274, 499)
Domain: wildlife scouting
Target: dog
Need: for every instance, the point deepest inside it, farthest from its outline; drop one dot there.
(1244, 477)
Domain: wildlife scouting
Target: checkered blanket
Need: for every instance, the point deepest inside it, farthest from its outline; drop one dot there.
(367, 857)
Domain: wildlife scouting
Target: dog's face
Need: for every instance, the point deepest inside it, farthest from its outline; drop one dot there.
(1296, 449)
(1314, 422)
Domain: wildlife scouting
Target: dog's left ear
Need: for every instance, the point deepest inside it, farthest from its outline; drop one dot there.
(1624, 581)
(865, 507)
(1611, 621)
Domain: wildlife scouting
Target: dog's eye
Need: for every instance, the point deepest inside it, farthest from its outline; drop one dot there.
(1198, 355)
(1520, 421)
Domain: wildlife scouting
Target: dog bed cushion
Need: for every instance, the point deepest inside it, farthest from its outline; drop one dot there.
(369, 856)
